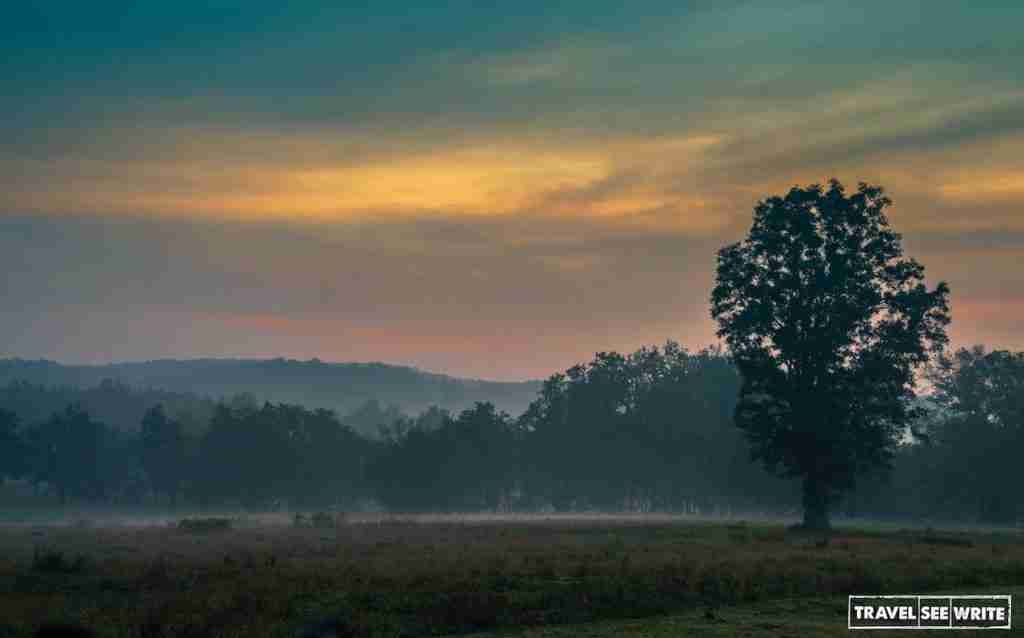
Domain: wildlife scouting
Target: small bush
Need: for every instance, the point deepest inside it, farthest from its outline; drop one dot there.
(320, 520)
(63, 631)
(203, 525)
(740, 533)
(336, 626)
(468, 611)
(54, 561)
(951, 541)
(158, 572)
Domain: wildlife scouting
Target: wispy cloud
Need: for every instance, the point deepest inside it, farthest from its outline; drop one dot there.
(329, 182)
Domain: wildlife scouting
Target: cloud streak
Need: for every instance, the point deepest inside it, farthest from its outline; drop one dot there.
(435, 185)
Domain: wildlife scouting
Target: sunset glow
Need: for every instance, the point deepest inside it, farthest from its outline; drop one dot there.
(337, 183)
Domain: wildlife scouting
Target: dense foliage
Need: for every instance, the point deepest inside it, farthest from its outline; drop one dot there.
(651, 430)
(827, 323)
(648, 431)
(342, 387)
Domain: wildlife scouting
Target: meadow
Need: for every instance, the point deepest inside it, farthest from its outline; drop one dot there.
(425, 575)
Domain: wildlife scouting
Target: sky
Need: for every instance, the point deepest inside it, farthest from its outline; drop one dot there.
(495, 192)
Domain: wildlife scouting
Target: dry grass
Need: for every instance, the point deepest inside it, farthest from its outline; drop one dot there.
(392, 576)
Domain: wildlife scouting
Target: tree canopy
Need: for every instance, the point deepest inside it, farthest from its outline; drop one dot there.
(827, 323)
(982, 433)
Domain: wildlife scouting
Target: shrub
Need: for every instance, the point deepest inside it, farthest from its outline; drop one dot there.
(62, 631)
(54, 561)
(950, 541)
(202, 525)
(322, 520)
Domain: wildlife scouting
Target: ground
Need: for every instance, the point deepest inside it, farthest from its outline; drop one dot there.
(785, 618)
(483, 575)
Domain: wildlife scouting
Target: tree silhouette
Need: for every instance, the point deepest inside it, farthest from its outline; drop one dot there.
(827, 323)
(467, 462)
(651, 429)
(12, 448)
(982, 437)
(68, 451)
(163, 452)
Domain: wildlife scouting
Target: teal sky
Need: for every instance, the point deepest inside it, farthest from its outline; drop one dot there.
(495, 192)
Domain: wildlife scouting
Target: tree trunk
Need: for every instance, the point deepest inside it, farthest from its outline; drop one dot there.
(815, 504)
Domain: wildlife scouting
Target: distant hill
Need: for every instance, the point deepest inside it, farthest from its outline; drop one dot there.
(343, 387)
(110, 402)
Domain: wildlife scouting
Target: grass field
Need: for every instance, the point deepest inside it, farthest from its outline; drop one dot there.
(788, 617)
(414, 576)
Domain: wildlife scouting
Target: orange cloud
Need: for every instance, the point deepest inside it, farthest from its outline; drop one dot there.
(985, 185)
(992, 321)
(496, 350)
(474, 180)
(492, 177)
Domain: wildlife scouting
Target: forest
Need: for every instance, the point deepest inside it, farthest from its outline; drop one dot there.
(343, 387)
(649, 431)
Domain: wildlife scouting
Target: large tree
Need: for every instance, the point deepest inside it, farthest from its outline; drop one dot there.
(68, 452)
(163, 452)
(980, 441)
(12, 448)
(828, 323)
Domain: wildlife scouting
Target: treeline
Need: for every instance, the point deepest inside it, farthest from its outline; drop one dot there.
(122, 406)
(964, 459)
(342, 387)
(648, 431)
(118, 405)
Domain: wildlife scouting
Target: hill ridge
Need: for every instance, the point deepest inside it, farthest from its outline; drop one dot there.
(342, 386)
